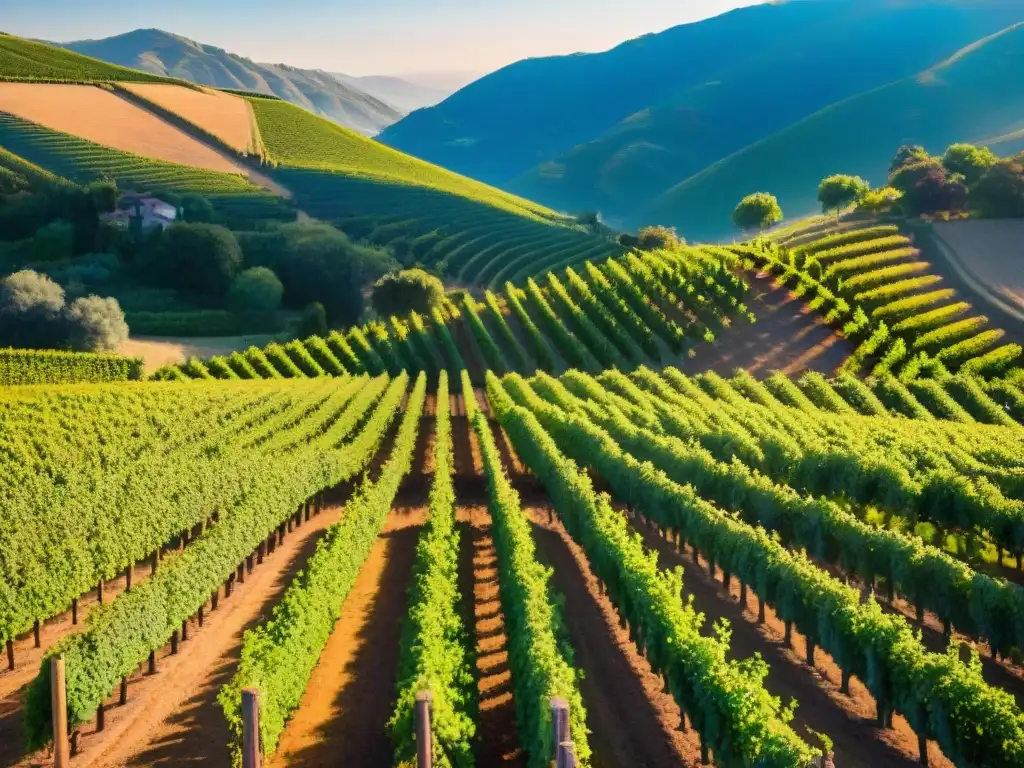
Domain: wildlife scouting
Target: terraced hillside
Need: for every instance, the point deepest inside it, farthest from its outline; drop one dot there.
(471, 232)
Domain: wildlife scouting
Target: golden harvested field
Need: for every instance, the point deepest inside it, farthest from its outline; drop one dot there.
(992, 251)
(226, 116)
(102, 117)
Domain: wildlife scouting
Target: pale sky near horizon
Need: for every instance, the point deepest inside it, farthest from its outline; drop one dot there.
(363, 37)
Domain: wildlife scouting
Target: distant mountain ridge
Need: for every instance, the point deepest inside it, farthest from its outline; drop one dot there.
(613, 131)
(164, 53)
(403, 94)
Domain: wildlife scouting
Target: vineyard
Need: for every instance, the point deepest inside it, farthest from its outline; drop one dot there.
(83, 161)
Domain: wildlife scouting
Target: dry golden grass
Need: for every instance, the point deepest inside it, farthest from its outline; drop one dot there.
(102, 117)
(222, 114)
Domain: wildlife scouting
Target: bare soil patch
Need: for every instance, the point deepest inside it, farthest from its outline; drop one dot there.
(350, 697)
(172, 718)
(158, 351)
(632, 720)
(224, 115)
(787, 337)
(102, 117)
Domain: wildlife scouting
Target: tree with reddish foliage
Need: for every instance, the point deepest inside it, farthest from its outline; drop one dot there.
(937, 191)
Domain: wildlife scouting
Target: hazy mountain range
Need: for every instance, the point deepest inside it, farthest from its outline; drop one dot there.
(665, 127)
(164, 53)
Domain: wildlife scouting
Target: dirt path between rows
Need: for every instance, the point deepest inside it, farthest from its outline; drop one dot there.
(172, 718)
(497, 738)
(632, 720)
(847, 720)
(350, 697)
(788, 337)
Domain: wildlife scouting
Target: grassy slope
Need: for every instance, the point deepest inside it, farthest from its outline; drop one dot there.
(973, 95)
(28, 60)
(294, 137)
(623, 169)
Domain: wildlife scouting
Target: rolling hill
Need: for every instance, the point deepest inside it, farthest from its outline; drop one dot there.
(971, 96)
(153, 138)
(610, 131)
(163, 53)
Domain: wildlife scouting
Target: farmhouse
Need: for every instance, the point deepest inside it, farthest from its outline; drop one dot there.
(150, 212)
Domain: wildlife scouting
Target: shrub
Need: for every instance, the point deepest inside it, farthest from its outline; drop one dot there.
(196, 209)
(95, 324)
(657, 238)
(969, 161)
(411, 290)
(257, 289)
(54, 241)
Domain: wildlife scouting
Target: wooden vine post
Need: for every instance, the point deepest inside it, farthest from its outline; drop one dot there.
(59, 713)
(421, 718)
(251, 728)
(560, 729)
(566, 757)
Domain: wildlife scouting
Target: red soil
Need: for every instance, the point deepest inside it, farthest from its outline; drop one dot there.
(497, 741)
(350, 697)
(787, 337)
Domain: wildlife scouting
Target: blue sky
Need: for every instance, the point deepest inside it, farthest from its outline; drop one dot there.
(370, 36)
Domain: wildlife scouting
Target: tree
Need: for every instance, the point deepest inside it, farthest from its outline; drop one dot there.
(197, 209)
(881, 200)
(54, 242)
(658, 238)
(95, 324)
(320, 263)
(200, 257)
(104, 196)
(905, 177)
(969, 160)
(409, 290)
(314, 321)
(257, 289)
(839, 191)
(908, 153)
(999, 193)
(937, 191)
(30, 311)
(757, 212)
(627, 240)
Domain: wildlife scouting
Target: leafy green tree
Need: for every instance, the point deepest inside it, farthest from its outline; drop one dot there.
(257, 289)
(907, 154)
(104, 195)
(197, 209)
(658, 238)
(409, 290)
(55, 241)
(203, 258)
(840, 190)
(314, 321)
(757, 212)
(969, 160)
(999, 193)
